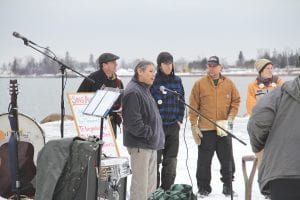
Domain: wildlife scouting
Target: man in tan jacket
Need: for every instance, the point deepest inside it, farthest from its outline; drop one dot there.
(216, 97)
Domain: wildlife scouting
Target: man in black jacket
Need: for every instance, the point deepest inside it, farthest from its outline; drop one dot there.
(105, 77)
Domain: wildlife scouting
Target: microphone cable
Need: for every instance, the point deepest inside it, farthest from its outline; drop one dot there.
(187, 150)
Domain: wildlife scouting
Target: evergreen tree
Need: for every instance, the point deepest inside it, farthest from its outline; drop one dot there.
(68, 59)
(92, 62)
(267, 55)
(15, 67)
(241, 60)
(292, 59)
(47, 66)
(31, 67)
(203, 64)
(4, 67)
(282, 60)
(198, 64)
(249, 64)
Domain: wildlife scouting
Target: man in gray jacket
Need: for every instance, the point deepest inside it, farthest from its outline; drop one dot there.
(142, 131)
(274, 126)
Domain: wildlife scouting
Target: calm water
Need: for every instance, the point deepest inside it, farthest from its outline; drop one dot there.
(39, 97)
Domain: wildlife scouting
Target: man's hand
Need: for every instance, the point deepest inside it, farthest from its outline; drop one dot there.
(197, 135)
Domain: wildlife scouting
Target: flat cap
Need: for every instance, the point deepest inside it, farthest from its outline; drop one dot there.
(106, 57)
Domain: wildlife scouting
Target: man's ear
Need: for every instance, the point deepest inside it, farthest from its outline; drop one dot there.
(139, 71)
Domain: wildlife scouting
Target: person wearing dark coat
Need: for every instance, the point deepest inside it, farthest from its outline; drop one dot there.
(143, 132)
(274, 126)
(106, 77)
(172, 112)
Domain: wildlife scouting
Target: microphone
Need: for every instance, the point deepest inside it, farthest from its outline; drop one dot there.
(163, 89)
(18, 35)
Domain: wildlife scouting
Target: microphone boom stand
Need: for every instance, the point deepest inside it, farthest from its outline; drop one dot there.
(179, 97)
(63, 68)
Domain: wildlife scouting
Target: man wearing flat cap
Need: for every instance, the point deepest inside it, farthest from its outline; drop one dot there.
(216, 97)
(105, 77)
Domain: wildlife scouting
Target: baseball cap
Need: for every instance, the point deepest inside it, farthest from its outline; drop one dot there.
(213, 60)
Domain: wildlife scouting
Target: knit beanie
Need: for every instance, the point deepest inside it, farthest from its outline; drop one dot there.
(164, 57)
(260, 64)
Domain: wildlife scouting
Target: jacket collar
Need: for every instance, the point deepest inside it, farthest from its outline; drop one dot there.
(140, 83)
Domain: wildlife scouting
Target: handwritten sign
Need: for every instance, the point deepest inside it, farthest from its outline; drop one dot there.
(87, 125)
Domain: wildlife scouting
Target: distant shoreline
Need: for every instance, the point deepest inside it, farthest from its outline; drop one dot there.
(130, 75)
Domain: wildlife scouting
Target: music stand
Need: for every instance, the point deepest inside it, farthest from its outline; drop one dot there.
(99, 106)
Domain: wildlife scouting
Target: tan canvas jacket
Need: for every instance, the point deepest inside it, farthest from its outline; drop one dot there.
(215, 102)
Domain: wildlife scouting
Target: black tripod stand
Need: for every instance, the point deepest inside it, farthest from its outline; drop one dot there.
(179, 98)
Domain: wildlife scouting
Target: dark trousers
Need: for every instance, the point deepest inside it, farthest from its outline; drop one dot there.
(211, 143)
(285, 189)
(168, 157)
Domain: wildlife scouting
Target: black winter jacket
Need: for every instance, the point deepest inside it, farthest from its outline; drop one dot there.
(101, 80)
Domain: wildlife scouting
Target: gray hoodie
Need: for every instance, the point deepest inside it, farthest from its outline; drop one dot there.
(142, 124)
(274, 126)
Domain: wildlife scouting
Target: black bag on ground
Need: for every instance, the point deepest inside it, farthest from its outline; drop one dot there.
(176, 192)
(78, 179)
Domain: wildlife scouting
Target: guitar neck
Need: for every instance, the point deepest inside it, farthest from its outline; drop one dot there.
(13, 111)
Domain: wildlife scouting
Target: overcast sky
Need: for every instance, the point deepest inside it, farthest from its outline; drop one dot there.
(142, 28)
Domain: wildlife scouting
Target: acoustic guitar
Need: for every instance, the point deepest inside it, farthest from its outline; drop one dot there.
(17, 168)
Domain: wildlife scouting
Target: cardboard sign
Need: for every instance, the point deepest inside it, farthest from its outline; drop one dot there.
(87, 125)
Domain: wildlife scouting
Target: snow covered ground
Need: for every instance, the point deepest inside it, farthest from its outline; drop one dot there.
(188, 150)
(187, 145)
(239, 150)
